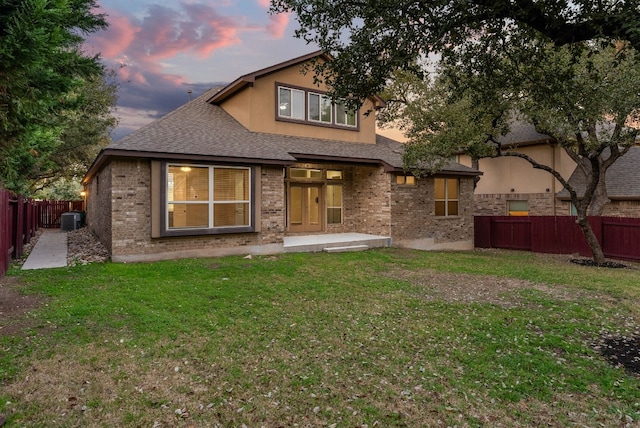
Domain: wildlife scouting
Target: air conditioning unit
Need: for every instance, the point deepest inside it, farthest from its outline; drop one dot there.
(70, 221)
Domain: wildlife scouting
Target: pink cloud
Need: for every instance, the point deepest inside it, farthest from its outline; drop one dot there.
(278, 25)
(264, 3)
(119, 36)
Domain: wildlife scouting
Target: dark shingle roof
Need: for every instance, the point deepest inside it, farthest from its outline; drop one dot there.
(201, 130)
(623, 180)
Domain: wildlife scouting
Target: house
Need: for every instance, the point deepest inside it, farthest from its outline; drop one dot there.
(511, 186)
(262, 163)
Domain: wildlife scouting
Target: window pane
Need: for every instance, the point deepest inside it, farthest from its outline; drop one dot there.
(334, 215)
(187, 183)
(334, 175)
(344, 116)
(285, 102)
(230, 215)
(314, 107)
(188, 215)
(298, 104)
(325, 108)
(439, 188)
(440, 208)
(452, 208)
(295, 210)
(305, 173)
(230, 184)
(410, 180)
(334, 196)
(452, 188)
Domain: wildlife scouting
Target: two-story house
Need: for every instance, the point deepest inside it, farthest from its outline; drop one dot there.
(511, 186)
(269, 164)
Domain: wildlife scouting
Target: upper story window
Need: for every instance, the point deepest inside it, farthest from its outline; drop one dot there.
(291, 103)
(320, 108)
(313, 108)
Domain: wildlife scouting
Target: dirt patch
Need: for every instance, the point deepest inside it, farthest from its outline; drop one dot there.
(15, 306)
(471, 288)
(622, 351)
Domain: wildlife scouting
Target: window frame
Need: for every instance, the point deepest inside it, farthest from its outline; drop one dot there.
(510, 211)
(446, 198)
(279, 104)
(322, 98)
(339, 184)
(210, 229)
(406, 180)
(307, 92)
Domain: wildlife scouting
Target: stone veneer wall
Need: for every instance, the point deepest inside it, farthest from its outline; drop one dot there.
(496, 204)
(98, 208)
(415, 224)
(131, 222)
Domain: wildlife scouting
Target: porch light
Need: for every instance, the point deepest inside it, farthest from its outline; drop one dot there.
(83, 193)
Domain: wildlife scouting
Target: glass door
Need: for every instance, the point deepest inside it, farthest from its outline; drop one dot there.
(305, 207)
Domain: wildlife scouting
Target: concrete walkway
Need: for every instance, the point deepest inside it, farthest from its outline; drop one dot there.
(49, 252)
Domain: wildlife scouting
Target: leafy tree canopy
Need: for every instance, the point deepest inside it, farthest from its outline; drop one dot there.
(371, 39)
(42, 71)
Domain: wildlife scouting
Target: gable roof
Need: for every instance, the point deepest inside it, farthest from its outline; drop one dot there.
(623, 180)
(249, 79)
(200, 131)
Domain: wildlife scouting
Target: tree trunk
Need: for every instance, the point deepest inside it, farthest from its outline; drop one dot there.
(592, 240)
(600, 197)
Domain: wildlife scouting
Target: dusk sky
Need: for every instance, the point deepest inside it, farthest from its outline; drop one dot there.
(163, 50)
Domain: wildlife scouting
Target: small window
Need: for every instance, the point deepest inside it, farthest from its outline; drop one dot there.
(303, 173)
(334, 204)
(291, 103)
(446, 196)
(319, 108)
(345, 117)
(406, 180)
(333, 174)
(518, 208)
(572, 209)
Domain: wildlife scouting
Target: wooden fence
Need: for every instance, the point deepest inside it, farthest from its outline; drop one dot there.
(21, 217)
(618, 236)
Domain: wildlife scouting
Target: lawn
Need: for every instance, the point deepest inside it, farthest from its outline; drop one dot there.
(387, 338)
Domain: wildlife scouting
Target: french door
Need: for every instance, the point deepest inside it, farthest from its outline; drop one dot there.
(305, 207)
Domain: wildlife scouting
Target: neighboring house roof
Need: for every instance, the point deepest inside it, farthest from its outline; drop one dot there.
(200, 131)
(623, 180)
(523, 134)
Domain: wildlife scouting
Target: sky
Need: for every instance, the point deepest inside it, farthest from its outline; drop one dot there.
(164, 48)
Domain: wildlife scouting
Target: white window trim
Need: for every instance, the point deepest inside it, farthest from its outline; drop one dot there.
(321, 97)
(292, 90)
(346, 125)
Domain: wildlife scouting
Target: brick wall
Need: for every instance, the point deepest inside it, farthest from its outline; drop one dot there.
(131, 219)
(615, 208)
(496, 204)
(371, 201)
(415, 224)
(98, 206)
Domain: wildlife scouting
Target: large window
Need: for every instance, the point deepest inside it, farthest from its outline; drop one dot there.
(313, 108)
(207, 197)
(446, 196)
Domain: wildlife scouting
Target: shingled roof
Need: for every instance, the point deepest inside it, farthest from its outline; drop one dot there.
(623, 180)
(200, 131)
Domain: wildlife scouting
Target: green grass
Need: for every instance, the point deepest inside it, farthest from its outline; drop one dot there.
(386, 338)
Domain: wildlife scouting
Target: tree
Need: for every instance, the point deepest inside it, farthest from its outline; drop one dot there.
(568, 67)
(41, 65)
(585, 99)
